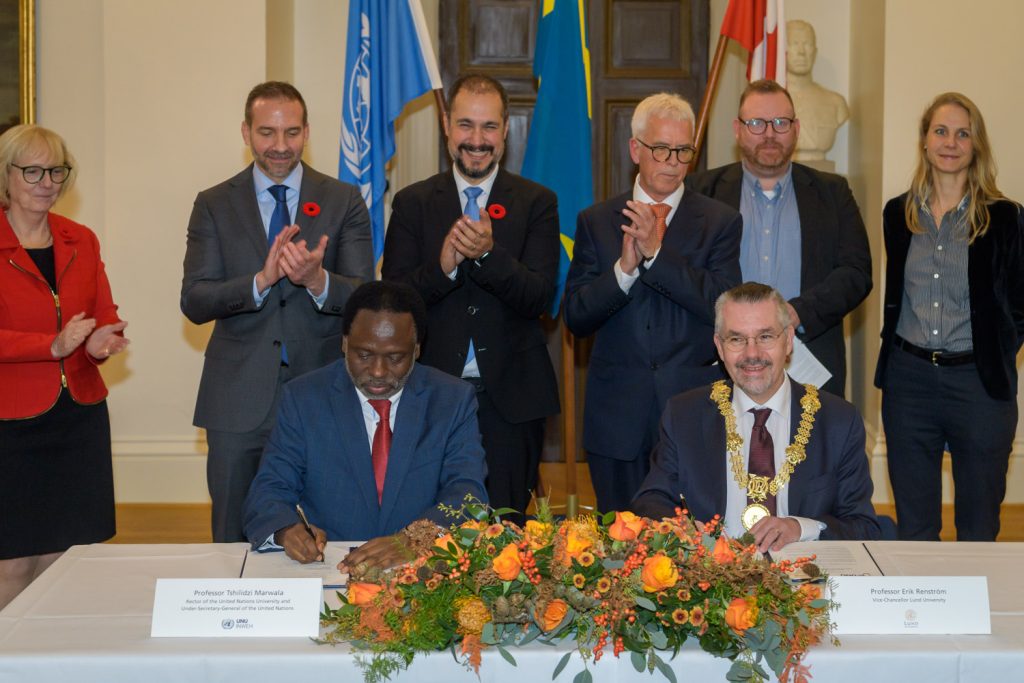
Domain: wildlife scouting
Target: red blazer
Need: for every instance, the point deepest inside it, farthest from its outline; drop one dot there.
(31, 315)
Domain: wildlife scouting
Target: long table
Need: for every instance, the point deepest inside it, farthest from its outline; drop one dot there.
(87, 619)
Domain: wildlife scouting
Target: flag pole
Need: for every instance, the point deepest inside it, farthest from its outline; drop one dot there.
(569, 420)
(705, 103)
(441, 109)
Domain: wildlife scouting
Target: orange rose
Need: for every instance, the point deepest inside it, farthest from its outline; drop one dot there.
(722, 553)
(507, 565)
(362, 593)
(658, 573)
(442, 543)
(742, 613)
(626, 526)
(553, 614)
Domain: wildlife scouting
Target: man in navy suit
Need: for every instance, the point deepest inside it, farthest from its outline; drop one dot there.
(273, 253)
(481, 247)
(368, 444)
(730, 449)
(645, 286)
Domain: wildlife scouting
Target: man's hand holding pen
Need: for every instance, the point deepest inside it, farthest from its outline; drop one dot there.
(302, 541)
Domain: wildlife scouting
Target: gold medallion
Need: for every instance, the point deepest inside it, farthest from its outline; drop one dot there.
(752, 514)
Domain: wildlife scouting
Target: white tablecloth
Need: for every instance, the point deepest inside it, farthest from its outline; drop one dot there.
(87, 620)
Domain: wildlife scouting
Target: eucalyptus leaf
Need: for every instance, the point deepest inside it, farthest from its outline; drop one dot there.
(740, 672)
(507, 655)
(561, 665)
(646, 603)
(659, 640)
(531, 633)
(583, 677)
(820, 603)
(638, 660)
(665, 669)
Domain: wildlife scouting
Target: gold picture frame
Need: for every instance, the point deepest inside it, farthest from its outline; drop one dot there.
(18, 63)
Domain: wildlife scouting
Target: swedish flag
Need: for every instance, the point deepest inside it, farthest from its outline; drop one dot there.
(558, 146)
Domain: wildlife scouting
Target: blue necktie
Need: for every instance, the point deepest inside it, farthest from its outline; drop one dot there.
(473, 211)
(278, 220)
(280, 217)
(472, 208)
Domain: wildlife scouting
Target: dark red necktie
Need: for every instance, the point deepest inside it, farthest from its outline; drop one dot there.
(381, 443)
(762, 453)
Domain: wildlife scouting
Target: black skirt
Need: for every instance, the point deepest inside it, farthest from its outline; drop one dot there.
(56, 480)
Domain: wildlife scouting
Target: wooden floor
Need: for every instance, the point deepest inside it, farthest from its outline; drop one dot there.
(169, 523)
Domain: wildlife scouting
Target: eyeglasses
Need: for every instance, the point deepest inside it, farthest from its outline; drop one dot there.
(34, 174)
(765, 340)
(780, 124)
(684, 155)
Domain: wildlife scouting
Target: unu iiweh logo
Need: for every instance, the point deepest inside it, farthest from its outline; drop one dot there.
(910, 619)
(227, 624)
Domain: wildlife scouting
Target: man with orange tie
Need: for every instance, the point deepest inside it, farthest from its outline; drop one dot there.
(370, 443)
(645, 273)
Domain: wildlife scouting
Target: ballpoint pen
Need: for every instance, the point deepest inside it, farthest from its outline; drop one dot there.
(309, 529)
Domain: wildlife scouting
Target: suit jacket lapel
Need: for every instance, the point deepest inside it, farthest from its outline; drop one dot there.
(799, 476)
(243, 201)
(730, 185)
(312, 191)
(405, 436)
(715, 483)
(808, 209)
(346, 407)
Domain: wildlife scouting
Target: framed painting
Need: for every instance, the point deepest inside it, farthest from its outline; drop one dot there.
(17, 63)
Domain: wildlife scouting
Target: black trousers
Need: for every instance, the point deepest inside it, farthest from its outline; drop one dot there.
(231, 463)
(924, 409)
(513, 457)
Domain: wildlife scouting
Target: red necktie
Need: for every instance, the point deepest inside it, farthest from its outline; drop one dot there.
(661, 212)
(381, 443)
(762, 452)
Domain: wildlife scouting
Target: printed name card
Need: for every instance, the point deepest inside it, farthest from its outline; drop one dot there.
(912, 604)
(211, 608)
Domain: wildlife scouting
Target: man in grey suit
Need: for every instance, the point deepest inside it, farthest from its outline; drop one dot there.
(273, 254)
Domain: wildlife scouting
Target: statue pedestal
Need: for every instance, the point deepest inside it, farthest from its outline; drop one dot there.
(818, 164)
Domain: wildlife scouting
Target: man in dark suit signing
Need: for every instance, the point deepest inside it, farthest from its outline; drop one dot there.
(645, 273)
(481, 247)
(370, 443)
(732, 448)
(273, 254)
(802, 230)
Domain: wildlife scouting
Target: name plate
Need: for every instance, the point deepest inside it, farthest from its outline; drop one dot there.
(212, 608)
(912, 604)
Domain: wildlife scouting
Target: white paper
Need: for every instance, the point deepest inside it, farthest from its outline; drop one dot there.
(912, 604)
(805, 368)
(214, 608)
(835, 559)
(277, 565)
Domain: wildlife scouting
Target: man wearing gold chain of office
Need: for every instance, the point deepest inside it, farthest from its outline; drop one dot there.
(768, 455)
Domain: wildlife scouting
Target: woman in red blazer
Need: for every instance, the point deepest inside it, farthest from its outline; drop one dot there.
(58, 322)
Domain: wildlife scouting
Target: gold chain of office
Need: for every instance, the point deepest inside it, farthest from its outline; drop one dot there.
(758, 487)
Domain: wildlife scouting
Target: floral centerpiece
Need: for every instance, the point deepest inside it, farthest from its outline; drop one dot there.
(640, 586)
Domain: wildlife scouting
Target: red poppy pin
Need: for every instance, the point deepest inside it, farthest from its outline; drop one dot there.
(311, 209)
(496, 211)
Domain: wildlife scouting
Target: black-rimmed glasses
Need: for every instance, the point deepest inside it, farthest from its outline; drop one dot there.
(662, 153)
(34, 174)
(780, 124)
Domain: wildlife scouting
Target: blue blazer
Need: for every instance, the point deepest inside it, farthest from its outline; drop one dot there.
(656, 341)
(833, 485)
(319, 455)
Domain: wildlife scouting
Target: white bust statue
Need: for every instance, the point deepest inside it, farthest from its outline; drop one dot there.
(820, 110)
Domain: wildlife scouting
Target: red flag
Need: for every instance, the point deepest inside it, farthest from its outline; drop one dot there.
(760, 27)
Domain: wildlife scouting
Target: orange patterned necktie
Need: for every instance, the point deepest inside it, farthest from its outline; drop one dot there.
(661, 212)
(381, 443)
